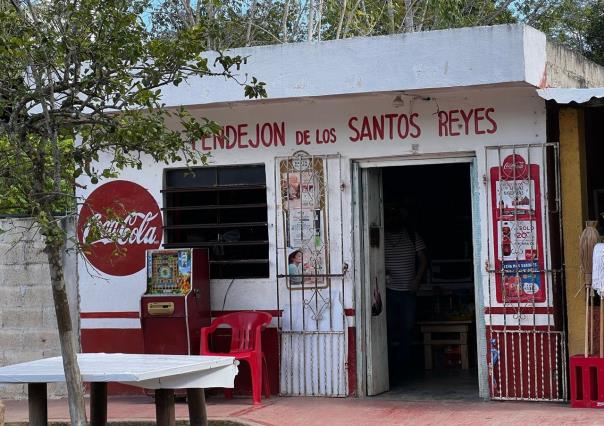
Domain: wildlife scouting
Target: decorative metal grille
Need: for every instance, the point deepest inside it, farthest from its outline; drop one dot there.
(525, 337)
(313, 329)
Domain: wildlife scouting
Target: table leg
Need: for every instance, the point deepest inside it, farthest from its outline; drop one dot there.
(38, 406)
(164, 407)
(198, 415)
(98, 404)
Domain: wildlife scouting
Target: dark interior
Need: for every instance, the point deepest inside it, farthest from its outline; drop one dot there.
(438, 199)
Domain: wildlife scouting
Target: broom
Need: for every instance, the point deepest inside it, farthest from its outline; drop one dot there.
(589, 238)
(598, 285)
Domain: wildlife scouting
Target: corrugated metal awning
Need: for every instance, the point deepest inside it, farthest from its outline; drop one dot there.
(594, 96)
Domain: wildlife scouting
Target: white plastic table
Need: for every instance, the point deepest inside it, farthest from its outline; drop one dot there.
(161, 372)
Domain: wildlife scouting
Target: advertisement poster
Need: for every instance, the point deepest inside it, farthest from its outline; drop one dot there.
(303, 200)
(518, 231)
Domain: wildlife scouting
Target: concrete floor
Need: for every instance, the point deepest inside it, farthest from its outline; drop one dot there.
(436, 385)
(344, 412)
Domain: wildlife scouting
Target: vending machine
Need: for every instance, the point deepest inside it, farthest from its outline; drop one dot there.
(177, 301)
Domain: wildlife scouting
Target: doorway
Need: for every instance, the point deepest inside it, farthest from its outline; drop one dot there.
(431, 353)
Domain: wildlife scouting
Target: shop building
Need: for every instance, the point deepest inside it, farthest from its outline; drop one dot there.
(449, 126)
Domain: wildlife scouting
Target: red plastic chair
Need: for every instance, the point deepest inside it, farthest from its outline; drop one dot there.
(246, 346)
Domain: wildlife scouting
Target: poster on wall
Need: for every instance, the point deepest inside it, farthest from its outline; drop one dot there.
(304, 211)
(517, 231)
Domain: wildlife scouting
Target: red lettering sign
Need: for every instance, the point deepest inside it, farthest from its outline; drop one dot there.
(476, 121)
(118, 222)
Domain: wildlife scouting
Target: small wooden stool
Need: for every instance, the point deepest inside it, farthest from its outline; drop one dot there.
(450, 327)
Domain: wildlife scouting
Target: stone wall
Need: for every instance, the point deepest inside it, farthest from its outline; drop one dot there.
(28, 328)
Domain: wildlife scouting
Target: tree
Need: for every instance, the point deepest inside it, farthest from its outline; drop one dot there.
(236, 23)
(79, 78)
(576, 24)
(594, 33)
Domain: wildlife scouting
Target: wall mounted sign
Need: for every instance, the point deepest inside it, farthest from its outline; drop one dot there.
(517, 231)
(118, 222)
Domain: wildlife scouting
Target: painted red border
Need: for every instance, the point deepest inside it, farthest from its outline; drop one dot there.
(273, 312)
(109, 315)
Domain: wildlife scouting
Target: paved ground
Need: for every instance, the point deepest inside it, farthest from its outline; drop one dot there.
(348, 411)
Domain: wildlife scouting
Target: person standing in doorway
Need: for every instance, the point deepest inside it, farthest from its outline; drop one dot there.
(406, 263)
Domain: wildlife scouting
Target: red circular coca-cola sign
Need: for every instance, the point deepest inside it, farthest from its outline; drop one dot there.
(118, 222)
(514, 167)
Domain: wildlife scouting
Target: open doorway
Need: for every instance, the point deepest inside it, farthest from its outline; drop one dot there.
(430, 295)
(424, 216)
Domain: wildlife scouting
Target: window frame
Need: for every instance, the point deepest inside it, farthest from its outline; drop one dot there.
(236, 261)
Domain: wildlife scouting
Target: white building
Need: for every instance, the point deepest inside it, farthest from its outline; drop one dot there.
(448, 124)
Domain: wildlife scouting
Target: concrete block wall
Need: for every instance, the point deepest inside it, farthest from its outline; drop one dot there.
(568, 69)
(28, 327)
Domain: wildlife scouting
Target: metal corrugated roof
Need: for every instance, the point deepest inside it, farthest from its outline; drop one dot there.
(578, 96)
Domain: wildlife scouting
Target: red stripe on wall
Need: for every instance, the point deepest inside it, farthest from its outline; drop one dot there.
(109, 315)
(349, 312)
(352, 362)
(527, 310)
(273, 312)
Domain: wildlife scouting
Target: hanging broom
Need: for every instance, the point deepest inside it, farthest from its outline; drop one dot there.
(598, 285)
(589, 238)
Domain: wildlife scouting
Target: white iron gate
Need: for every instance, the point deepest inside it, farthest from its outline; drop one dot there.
(310, 271)
(524, 305)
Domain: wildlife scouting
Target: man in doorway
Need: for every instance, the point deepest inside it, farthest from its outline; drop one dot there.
(406, 263)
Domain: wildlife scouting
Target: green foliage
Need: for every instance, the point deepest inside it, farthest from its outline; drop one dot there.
(594, 33)
(17, 175)
(92, 72)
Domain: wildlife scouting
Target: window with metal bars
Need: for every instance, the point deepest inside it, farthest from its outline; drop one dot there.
(224, 210)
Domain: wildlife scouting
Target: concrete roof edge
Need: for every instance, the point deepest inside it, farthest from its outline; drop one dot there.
(461, 57)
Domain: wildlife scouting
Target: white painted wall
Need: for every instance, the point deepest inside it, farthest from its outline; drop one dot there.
(520, 117)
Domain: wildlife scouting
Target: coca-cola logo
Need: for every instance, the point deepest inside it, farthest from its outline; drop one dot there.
(118, 222)
(514, 167)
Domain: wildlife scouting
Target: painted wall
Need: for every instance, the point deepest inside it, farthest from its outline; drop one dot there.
(437, 123)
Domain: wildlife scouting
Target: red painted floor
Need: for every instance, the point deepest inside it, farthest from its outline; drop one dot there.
(348, 411)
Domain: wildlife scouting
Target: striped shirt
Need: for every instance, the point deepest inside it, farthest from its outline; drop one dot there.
(400, 252)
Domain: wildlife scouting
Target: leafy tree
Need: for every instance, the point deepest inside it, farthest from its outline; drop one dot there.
(576, 24)
(594, 33)
(79, 79)
(236, 23)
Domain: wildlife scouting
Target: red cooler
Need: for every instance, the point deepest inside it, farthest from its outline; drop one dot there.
(177, 301)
